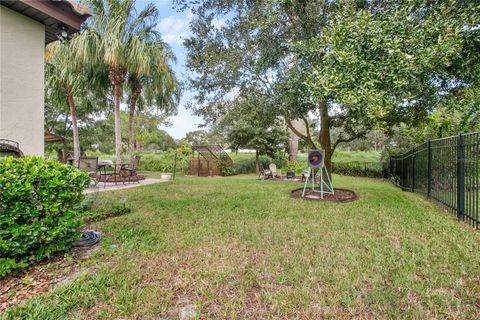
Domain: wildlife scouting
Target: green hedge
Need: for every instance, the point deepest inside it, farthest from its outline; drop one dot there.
(248, 165)
(164, 162)
(156, 162)
(38, 216)
(359, 169)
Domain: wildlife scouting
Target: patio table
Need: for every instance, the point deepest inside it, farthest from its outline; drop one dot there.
(111, 169)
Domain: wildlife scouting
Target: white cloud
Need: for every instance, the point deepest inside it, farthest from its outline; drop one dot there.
(218, 23)
(175, 28)
(182, 123)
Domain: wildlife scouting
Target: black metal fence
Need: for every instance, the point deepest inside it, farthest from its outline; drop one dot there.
(445, 170)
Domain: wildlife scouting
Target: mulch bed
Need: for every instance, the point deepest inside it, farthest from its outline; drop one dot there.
(284, 178)
(340, 195)
(41, 277)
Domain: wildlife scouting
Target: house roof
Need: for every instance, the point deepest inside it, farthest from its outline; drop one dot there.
(52, 13)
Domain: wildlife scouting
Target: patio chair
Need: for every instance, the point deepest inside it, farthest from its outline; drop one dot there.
(90, 166)
(264, 174)
(117, 171)
(274, 170)
(132, 168)
(304, 175)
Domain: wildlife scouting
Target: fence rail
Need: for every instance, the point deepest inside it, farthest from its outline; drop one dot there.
(445, 170)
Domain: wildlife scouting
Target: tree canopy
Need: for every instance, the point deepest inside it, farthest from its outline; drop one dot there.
(356, 65)
(118, 57)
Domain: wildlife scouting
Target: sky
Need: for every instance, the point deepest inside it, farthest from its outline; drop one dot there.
(173, 26)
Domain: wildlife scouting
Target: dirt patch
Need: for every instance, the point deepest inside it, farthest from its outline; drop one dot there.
(41, 277)
(340, 195)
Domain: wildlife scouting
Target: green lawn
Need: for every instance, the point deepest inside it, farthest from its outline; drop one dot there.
(243, 249)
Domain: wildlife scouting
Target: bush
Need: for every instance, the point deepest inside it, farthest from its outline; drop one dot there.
(295, 166)
(164, 162)
(359, 169)
(248, 165)
(280, 159)
(226, 167)
(38, 217)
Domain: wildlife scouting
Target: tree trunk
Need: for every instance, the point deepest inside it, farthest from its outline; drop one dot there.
(292, 148)
(304, 136)
(117, 78)
(76, 138)
(324, 136)
(131, 125)
(118, 124)
(257, 162)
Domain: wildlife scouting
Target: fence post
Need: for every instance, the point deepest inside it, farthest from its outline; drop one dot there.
(460, 177)
(429, 167)
(413, 169)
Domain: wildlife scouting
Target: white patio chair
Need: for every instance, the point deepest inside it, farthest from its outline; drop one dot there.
(274, 170)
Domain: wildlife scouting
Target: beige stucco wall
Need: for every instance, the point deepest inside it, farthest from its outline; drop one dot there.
(22, 43)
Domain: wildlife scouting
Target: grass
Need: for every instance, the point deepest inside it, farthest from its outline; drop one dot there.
(353, 156)
(243, 249)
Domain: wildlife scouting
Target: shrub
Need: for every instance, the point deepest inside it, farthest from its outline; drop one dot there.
(295, 166)
(152, 162)
(164, 162)
(38, 217)
(247, 165)
(280, 159)
(226, 167)
(359, 169)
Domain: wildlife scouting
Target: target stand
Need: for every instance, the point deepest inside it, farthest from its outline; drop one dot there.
(316, 161)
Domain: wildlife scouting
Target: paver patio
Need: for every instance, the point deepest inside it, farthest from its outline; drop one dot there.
(120, 186)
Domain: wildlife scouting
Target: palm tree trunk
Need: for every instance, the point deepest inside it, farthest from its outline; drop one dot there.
(76, 138)
(131, 129)
(118, 124)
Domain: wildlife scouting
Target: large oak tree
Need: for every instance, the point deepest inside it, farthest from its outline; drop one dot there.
(356, 65)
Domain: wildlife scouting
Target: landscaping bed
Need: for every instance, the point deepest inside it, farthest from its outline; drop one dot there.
(339, 195)
(41, 277)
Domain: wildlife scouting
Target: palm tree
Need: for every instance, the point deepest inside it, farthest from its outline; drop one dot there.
(116, 36)
(64, 81)
(154, 86)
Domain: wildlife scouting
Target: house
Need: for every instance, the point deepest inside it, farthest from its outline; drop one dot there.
(26, 26)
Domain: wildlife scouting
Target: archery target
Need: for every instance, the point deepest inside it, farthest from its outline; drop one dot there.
(315, 158)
